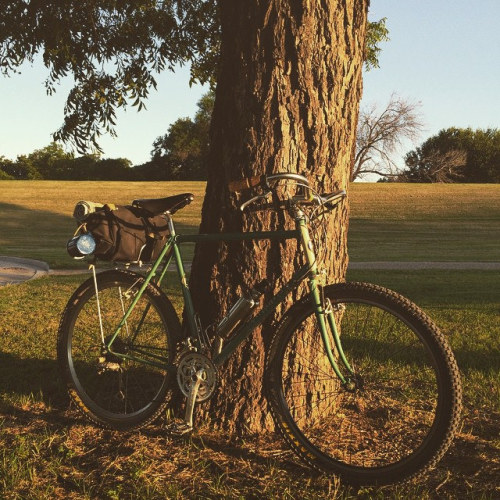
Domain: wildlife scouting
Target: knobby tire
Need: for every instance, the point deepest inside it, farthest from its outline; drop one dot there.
(111, 391)
(402, 416)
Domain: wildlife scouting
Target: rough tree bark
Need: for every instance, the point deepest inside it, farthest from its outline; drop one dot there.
(287, 99)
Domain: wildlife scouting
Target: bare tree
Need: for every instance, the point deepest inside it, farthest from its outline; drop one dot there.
(435, 166)
(380, 134)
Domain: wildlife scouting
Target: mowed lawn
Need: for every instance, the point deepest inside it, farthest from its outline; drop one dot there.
(48, 451)
(389, 222)
(424, 222)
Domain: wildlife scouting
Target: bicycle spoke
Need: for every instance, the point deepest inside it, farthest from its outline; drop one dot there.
(119, 385)
(387, 417)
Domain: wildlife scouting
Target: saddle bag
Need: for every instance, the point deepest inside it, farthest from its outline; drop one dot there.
(126, 234)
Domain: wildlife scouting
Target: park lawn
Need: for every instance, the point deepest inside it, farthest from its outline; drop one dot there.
(389, 222)
(49, 451)
(424, 222)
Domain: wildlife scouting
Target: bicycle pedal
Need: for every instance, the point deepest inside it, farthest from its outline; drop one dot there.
(179, 429)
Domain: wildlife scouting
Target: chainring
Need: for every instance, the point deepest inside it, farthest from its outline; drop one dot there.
(189, 365)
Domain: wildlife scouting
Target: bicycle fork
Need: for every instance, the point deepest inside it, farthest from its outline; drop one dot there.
(326, 321)
(324, 311)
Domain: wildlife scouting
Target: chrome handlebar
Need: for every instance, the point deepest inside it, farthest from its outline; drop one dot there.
(254, 199)
(307, 197)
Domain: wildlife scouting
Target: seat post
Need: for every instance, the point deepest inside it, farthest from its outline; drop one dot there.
(170, 222)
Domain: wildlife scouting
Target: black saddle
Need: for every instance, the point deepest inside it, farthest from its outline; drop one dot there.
(159, 206)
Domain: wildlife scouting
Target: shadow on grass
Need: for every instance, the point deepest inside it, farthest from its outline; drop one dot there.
(34, 230)
(77, 450)
(36, 378)
(280, 455)
(481, 360)
(438, 288)
(39, 378)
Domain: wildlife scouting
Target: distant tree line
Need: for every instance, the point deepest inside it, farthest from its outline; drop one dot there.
(180, 154)
(453, 155)
(54, 163)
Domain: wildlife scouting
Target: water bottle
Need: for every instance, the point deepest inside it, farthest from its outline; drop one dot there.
(237, 313)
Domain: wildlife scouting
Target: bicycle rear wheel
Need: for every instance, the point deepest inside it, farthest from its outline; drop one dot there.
(130, 386)
(400, 418)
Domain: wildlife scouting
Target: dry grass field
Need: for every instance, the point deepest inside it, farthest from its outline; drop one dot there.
(37, 215)
(389, 222)
(425, 222)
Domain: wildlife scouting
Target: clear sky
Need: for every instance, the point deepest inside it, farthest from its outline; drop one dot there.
(442, 53)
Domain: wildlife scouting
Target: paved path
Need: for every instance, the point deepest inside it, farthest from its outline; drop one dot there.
(14, 270)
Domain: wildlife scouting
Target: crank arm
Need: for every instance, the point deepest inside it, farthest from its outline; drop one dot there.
(186, 426)
(191, 399)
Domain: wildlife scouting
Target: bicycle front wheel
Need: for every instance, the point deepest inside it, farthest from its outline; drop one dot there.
(127, 385)
(397, 417)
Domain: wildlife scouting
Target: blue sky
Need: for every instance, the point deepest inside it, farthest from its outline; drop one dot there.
(29, 117)
(444, 54)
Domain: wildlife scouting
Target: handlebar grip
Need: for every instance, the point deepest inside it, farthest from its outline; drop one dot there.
(246, 183)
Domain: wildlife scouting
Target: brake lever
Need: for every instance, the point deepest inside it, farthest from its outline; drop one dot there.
(332, 199)
(255, 198)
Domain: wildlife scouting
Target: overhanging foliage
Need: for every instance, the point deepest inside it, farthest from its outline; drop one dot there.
(113, 49)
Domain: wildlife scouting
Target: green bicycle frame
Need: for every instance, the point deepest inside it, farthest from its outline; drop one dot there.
(172, 250)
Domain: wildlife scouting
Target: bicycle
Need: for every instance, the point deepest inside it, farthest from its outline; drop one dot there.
(359, 381)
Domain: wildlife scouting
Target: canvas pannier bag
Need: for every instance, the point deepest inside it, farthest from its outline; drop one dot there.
(125, 234)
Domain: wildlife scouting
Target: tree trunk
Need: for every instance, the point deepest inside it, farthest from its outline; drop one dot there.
(287, 98)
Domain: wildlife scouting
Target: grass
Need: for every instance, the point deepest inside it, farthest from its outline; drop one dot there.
(49, 451)
(465, 305)
(424, 222)
(37, 215)
(389, 222)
